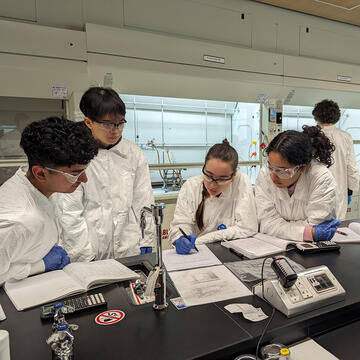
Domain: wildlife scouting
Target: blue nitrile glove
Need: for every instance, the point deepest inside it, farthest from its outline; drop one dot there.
(183, 245)
(146, 250)
(221, 227)
(349, 199)
(56, 259)
(326, 230)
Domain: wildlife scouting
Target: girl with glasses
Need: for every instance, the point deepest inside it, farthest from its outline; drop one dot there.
(217, 205)
(295, 193)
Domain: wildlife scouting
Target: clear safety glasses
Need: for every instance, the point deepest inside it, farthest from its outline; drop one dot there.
(221, 181)
(283, 173)
(107, 125)
(71, 178)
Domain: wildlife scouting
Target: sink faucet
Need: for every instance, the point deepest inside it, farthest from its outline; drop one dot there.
(160, 284)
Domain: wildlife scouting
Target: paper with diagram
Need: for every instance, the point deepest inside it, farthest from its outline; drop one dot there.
(194, 259)
(207, 285)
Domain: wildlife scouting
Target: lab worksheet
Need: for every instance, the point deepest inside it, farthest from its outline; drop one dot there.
(194, 259)
(207, 285)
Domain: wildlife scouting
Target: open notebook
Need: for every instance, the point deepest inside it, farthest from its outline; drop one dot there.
(259, 245)
(75, 278)
(352, 234)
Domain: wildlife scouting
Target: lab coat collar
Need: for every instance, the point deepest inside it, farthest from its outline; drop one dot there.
(38, 195)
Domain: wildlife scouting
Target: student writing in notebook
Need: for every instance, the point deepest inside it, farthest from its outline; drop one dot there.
(58, 152)
(345, 167)
(295, 193)
(219, 204)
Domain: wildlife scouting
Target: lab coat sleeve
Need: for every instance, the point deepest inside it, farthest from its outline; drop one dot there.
(271, 222)
(184, 215)
(13, 244)
(246, 223)
(320, 207)
(143, 196)
(352, 168)
(75, 236)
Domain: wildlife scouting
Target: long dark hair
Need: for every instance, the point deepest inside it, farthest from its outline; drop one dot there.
(224, 152)
(299, 148)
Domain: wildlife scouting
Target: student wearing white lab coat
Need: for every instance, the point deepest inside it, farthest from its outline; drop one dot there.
(295, 193)
(101, 219)
(217, 205)
(58, 152)
(345, 168)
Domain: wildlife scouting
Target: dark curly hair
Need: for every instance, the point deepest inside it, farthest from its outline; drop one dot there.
(98, 102)
(224, 152)
(327, 112)
(57, 142)
(299, 148)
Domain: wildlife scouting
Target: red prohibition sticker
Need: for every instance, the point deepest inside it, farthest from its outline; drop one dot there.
(109, 317)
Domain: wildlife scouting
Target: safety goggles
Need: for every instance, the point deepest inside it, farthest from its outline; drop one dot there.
(283, 173)
(71, 178)
(221, 181)
(107, 125)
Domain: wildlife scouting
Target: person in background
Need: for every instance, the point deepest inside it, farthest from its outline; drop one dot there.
(295, 193)
(102, 218)
(217, 205)
(58, 152)
(345, 168)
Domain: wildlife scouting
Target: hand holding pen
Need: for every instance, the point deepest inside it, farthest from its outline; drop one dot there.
(185, 243)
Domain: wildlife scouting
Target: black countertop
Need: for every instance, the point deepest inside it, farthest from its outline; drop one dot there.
(205, 331)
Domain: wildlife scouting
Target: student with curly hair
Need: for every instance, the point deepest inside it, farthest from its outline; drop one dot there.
(295, 193)
(345, 168)
(101, 219)
(217, 205)
(58, 152)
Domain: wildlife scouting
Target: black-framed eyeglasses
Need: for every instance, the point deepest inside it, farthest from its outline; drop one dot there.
(107, 125)
(220, 181)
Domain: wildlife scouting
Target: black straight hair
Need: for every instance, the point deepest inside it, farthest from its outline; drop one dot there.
(98, 102)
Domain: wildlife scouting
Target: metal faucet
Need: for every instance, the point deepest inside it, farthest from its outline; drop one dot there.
(61, 341)
(160, 283)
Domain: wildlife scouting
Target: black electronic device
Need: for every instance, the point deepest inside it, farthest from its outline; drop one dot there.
(74, 305)
(286, 274)
(311, 247)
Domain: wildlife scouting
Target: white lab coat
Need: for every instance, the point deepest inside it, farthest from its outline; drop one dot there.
(313, 202)
(345, 168)
(235, 208)
(101, 218)
(28, 229)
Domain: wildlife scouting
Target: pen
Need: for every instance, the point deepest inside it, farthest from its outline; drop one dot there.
(184, 233)
(341, 232)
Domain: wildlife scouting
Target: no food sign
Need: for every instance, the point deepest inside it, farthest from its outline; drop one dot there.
(109, 317)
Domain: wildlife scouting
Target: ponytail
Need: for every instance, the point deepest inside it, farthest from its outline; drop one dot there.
(299, 148)
(322, 148)
(224, 152)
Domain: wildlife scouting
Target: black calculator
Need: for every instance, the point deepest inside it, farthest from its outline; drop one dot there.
(319, 246)
(74, 305)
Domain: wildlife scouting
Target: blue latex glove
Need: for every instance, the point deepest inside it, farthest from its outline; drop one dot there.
(56, 259)
(183, 245)
(326, 230)
(146, 250)
(349, 199)
(221, 227)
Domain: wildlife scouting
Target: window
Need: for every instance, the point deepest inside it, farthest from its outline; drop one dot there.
(173, 130)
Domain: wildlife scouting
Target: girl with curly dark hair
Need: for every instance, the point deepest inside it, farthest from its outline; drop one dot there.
(295, 192)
